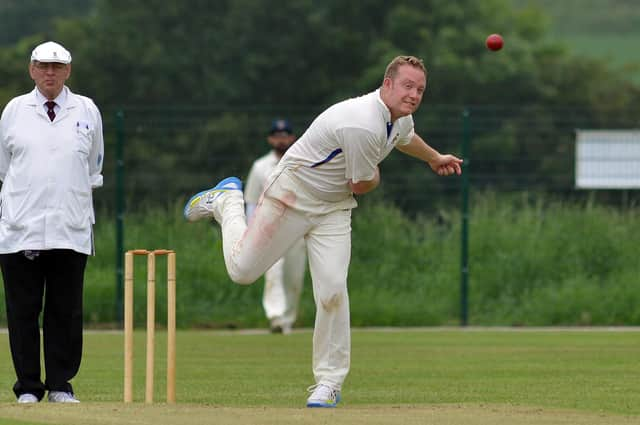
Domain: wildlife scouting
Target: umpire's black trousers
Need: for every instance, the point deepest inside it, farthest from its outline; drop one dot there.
(57, 277)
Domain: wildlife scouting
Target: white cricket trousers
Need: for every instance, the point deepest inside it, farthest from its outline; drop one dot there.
(276, 225)
(283, 285)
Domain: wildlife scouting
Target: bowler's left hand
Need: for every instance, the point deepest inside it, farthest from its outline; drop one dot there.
(446, 165)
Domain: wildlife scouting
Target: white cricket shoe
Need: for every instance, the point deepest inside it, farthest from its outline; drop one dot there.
(323, 396)
(27, 398)
(62, 397)
(281, 328)
(203, 204)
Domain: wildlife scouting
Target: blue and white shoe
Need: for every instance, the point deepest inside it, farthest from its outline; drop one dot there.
(323, 396)
(202, 205)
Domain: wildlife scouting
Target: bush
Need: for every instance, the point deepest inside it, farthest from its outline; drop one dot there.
(539, 262)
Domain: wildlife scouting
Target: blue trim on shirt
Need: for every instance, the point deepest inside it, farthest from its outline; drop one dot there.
(328, 158)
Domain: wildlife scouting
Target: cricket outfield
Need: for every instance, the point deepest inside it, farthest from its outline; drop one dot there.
(404, 376)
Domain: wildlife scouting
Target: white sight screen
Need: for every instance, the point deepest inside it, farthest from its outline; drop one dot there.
(608, 159)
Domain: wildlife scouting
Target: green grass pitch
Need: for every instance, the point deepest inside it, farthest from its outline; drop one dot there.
(437, 375)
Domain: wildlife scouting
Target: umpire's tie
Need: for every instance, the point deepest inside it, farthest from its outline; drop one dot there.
(50, 111)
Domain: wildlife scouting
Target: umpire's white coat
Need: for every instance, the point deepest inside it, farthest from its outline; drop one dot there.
(48, 170)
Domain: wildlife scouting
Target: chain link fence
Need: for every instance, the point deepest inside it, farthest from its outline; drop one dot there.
(168, 153)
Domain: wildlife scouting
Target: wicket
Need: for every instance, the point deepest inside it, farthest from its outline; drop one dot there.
(171, 322)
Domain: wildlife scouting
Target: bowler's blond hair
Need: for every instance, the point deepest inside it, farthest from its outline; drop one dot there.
(398, 61)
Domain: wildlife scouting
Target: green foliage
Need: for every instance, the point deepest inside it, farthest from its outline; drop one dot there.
(20, 18)
(198, 88)
(398, 263)
(15, 72)
(284, 56)
(582, 16)
(587, 31)
(306, 52)
(550, 263)
(533, 261)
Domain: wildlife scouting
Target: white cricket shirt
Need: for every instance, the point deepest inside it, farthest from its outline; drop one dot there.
(346, 141)
(48, 170)
(258, 174)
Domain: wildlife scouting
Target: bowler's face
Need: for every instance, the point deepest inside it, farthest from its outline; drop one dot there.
(405, 90)
(49, 77)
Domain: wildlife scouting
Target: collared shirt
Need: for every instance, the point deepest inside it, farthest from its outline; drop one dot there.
(59, 101)
(346, 141)
(48, 170)
(257, 181)
(258, 174)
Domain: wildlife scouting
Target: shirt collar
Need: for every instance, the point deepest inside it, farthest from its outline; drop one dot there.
(60, 99)
(386, 113)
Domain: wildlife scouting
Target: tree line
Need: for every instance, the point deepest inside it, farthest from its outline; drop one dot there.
(298, 56)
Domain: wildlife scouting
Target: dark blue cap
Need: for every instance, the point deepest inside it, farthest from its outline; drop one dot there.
(281, 125)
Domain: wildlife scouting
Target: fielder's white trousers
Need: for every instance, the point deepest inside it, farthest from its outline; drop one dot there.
(283, 286)
(276, 225)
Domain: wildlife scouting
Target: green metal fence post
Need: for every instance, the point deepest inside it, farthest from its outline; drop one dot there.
(119, 215)
(464, 245)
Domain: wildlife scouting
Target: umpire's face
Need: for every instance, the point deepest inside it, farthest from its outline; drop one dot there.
(49, 77)
(404, 91)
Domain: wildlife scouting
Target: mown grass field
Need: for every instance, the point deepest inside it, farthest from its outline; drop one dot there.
(403, 376)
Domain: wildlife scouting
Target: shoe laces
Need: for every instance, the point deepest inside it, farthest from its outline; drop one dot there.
(210, 196)
(322, 392)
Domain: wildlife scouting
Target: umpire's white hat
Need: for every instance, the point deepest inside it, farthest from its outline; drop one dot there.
(50, 52)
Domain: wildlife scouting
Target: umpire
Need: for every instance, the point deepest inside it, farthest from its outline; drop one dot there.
(51, 153)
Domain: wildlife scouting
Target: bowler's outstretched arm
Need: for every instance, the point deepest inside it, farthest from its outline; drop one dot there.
(443, 165)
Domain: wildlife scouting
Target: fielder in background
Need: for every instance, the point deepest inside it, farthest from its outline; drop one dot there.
(283, 281)
(311, 194)
(51, 153)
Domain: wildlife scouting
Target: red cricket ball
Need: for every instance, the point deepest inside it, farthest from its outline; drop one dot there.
(494, 42)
